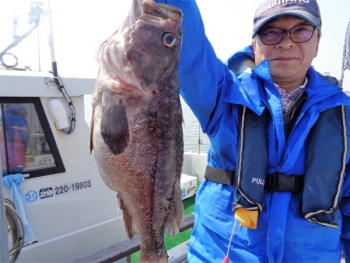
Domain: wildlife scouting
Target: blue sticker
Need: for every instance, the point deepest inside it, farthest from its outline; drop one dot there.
(31, 196)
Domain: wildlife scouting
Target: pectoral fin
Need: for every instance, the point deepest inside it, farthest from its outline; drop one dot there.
(115, 128)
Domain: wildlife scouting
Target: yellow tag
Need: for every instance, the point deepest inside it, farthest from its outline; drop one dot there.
(247, 218)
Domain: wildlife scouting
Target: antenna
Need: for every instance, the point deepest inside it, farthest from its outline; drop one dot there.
(58, 79)
(34, 20)
(53, 59)
(15, 21)
(39, 57)
(346, 54)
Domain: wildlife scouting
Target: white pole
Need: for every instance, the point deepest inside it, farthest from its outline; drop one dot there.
(199, 139)
(51, 33)
(341, 78)
(4, 249)
(346, 54)
(53, 59)
(39, 59)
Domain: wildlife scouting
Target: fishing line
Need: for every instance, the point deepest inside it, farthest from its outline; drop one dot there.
(229, 244)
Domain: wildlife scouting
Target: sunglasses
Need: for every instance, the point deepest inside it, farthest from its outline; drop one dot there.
(298, 34)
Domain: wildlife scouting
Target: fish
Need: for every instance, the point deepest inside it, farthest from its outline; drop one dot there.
(136, 127)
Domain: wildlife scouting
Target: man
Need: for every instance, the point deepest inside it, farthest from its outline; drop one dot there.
(17, 136)
(277, 185)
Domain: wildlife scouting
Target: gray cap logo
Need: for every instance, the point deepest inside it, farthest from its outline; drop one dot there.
(270, 9)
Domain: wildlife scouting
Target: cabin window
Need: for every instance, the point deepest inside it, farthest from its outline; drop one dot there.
(27, 144)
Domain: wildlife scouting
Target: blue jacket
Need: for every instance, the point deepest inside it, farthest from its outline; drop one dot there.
(214, 94)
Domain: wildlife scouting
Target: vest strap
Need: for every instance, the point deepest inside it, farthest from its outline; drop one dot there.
(284, 183)
(275, 182)
(220, 175)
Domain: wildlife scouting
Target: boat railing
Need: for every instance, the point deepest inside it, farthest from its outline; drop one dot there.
(4, 256)
(125, 248)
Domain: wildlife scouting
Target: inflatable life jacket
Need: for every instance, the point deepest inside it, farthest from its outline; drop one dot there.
(323, 176)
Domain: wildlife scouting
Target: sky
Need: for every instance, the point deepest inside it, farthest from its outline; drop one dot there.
(80, 26)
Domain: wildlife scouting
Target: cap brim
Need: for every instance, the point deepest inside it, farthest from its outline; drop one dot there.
(313, 20)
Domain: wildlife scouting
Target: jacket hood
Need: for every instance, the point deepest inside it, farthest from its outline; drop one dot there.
(318, 89)
(241, 60)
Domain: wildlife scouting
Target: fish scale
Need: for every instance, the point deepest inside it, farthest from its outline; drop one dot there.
(136, 127)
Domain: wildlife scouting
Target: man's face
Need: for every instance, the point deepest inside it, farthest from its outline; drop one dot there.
(289, 61)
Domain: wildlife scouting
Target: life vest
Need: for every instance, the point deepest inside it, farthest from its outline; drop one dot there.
(326, 151)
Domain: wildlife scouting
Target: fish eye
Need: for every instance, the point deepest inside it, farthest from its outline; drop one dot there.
(169, 40)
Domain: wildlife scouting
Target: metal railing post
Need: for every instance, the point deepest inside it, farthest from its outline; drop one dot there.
(4, 249)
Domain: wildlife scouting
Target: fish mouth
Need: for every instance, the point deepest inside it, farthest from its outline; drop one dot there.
(161, 10)
(119, 84)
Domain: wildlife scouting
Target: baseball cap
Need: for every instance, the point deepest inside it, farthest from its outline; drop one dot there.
(270, 9)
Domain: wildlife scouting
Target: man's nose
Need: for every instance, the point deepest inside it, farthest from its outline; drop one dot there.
(286, 41)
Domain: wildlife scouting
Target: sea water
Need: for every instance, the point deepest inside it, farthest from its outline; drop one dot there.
(194, 139)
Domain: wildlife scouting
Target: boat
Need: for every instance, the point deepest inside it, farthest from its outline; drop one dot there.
(69, 207)
(44, 137)
(71, 211)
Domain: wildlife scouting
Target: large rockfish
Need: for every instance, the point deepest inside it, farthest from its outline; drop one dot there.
(136, 128)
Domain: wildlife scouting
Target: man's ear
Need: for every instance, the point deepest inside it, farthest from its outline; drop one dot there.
(317, 45)
(253, 44)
